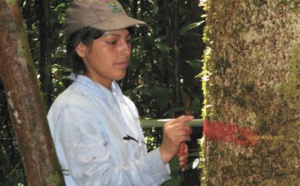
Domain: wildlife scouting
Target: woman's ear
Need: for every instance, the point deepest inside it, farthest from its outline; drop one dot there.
(81, 50)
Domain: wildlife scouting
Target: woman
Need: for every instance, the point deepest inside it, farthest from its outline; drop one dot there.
(95, 128)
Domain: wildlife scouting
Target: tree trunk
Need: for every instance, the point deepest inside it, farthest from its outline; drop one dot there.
(25, 101)
(176, 53)
(252, 96)
(45, 60)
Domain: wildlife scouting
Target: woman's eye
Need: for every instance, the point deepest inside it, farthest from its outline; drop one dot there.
(112, 42)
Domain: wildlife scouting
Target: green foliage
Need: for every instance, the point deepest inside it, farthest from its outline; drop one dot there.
(153, 137)
(61, 78)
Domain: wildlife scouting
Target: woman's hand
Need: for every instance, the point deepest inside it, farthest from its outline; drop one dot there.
(175, 132)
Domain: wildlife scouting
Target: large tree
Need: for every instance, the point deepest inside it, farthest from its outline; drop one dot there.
(252, 91)
(24, 99)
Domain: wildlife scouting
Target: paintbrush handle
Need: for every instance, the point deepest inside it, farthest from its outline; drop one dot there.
(181, 149)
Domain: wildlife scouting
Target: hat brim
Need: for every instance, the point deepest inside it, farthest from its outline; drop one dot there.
(116, 23)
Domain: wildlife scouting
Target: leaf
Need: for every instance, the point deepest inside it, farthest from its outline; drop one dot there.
(185, 29)
(163, 48)
(195, 64)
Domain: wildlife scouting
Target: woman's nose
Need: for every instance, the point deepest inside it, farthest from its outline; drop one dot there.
(125, 47)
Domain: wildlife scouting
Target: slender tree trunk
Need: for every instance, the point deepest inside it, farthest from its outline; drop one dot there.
(24, 100)
(45, 60)
(176, 53)
(253, 93)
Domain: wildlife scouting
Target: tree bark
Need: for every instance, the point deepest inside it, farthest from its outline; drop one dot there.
(24, 100)
(252, 94)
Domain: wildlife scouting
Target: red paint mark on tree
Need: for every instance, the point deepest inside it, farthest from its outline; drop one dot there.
(227, 132)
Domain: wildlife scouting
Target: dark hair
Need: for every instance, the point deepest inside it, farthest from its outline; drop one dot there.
(85, 35)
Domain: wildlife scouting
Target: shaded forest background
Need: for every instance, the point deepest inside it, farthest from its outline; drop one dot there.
(161, 76)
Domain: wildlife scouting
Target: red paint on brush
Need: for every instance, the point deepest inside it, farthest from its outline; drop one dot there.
(217, 131)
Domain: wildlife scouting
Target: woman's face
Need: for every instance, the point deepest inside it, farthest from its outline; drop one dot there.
(108, 57)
